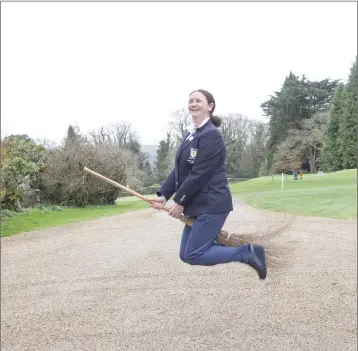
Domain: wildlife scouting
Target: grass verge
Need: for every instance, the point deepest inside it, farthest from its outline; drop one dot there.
(330, 195)
(53, 216)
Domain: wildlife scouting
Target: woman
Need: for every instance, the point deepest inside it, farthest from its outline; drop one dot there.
(201, 190)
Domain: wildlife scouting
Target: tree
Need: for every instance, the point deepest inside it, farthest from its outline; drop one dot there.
(311, 139)
(235, 127)
(298, 100)
(120, 135)
(287, 157)
(341, 138)
(125, 139)
(333, 148)
(350, 117)
(147, 177)
(64, 181)
(72, 135)
(255, 150)
(22, 161)
(180, 125)
(349, 139)
(302, 145)
(236, 130)
(163, 163)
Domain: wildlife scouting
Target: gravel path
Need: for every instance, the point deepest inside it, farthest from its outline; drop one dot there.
(117, 283)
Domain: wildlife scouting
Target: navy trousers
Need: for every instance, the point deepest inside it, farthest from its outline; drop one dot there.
(198, 245)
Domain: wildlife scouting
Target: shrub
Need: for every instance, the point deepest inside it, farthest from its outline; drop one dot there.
(65, 183)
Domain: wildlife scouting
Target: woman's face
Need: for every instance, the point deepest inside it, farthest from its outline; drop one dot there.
(198, 105)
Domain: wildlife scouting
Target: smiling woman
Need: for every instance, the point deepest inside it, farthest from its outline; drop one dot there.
(197, 107)
(201, 189)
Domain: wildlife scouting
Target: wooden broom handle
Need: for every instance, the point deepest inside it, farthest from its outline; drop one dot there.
(130, 191)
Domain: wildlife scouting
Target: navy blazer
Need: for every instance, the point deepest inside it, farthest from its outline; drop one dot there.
(199, 178)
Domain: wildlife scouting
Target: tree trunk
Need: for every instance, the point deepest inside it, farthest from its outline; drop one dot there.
(18, 205)
(312, 160)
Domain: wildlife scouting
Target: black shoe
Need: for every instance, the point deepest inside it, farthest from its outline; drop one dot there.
(258, 261)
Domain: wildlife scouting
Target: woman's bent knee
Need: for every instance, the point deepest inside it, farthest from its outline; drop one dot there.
(190, 259)
(182, 256)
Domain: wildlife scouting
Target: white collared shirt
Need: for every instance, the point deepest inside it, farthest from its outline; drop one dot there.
(195, 128)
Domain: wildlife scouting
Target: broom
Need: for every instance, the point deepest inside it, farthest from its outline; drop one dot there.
(273, 255)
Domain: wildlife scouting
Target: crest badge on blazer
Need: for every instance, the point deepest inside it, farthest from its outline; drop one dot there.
(193, 154)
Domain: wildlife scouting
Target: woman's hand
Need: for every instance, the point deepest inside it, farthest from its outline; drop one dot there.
(158, 203)
(176, 210)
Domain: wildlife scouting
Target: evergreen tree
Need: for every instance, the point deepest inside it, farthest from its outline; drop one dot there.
(133, 145)
(332, 152)
(162, 162)
(341, 138)
(72, 136)
(299, 99)
(148, 178)
(350, 116)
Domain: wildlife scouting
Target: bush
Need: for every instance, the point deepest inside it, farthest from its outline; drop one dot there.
(7, 213)
(65, 183)
(22, 161)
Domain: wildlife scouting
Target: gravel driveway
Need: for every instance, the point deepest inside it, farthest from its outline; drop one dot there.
(117, 283)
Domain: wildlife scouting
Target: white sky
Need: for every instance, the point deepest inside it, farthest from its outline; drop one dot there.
(97, 63)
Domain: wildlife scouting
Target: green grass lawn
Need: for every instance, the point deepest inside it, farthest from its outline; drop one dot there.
(331, 195)
(36, 219)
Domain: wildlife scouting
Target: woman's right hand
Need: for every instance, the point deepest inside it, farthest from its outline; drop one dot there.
(158, 203)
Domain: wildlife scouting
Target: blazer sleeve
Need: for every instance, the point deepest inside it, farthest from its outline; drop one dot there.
(210, 153)
(167, 188)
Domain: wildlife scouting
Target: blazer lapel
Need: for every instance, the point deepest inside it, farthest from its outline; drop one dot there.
(181, 147)
(187, 142)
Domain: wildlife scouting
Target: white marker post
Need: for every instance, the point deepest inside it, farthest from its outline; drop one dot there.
(282, 182)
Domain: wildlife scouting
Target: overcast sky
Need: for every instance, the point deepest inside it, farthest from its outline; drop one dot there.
(91, 64)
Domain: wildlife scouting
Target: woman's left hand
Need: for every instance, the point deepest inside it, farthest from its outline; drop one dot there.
(176, 210)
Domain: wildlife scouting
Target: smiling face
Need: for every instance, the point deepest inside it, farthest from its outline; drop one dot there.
(198, 106)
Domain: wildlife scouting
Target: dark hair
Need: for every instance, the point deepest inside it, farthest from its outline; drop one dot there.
(210, 99)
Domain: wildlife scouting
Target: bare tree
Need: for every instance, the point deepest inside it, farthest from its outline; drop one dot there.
(118, 134)
(100, 136)
(180, 125)
(236, 128)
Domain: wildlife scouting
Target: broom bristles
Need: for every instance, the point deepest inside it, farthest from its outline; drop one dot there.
(276, 253)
